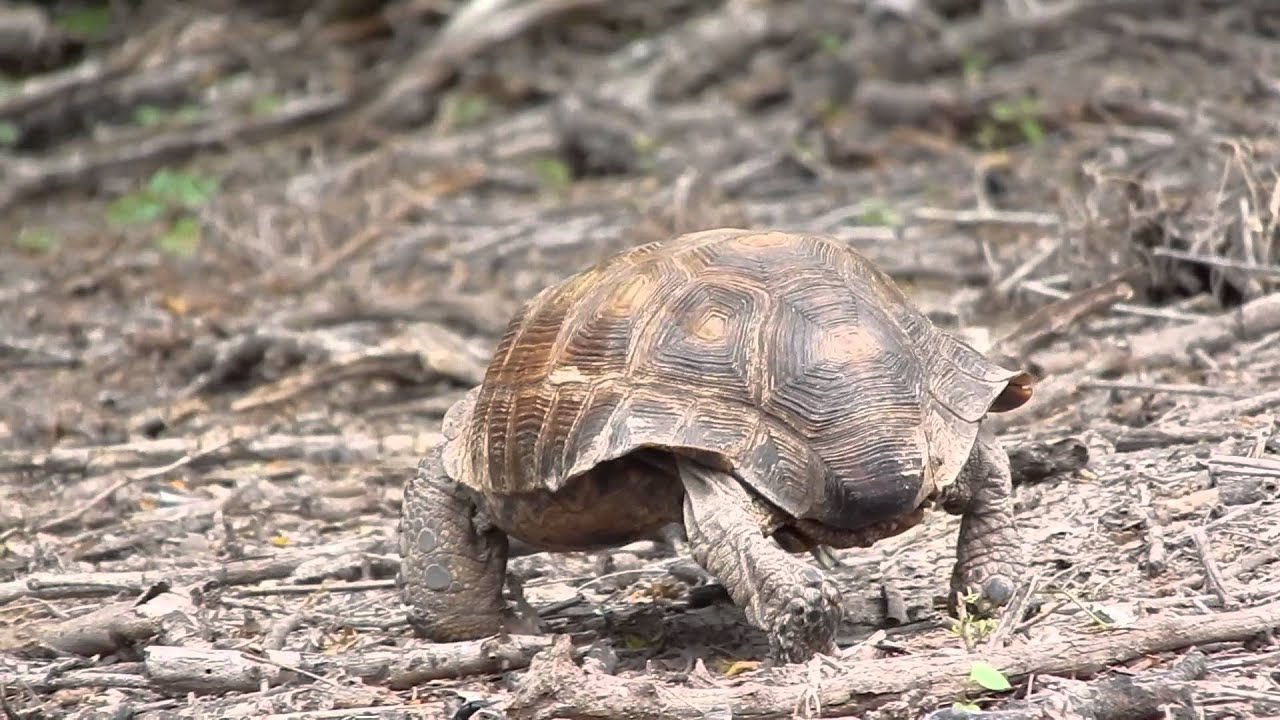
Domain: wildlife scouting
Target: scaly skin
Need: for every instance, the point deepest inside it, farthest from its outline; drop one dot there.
(989, 552)
(453, 562)
(791, 601)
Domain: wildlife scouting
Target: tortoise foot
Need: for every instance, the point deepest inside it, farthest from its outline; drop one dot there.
(803, 621)
(453, 562)
(793, 602)
(985, 588)
(989, 565)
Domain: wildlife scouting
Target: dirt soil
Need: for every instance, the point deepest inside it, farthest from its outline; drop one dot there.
(251, 253)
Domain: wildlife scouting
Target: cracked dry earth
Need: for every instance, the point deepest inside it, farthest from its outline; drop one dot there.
(202, 448)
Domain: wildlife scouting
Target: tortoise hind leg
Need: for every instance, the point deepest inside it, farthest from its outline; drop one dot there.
(989, 553)
(793, 602)
(453, 562)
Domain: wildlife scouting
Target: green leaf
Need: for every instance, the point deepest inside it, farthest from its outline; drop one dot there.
(875, 212)
(148, 115)
(135, 209)
(973, 62)
(86, 22)
(9, 132)
(183, 188)
(635, 642)
(1003, 110)
(554, 174)
(266, 104)
(988, 677)
(186, 114)
(1032, 131)
(965, 707)
(830, 43)
(36, 240)
(182, 238)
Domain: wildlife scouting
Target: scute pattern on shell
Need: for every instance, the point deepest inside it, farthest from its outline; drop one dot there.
(791, 356)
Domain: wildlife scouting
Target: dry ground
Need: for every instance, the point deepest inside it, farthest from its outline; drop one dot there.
(251, 256)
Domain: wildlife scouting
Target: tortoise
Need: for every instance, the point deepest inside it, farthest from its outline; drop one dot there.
(773, 392)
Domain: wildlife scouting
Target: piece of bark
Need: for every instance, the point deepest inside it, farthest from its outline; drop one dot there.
(1247, 490)
(555, 687)
(58, 87)
(28, 38)
(895, 604)
(715, 44)
(1034, 462)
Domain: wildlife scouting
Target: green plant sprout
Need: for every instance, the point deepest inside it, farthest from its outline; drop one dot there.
(970, 629)
(168, 195)
(1020, 116)
(36, 240)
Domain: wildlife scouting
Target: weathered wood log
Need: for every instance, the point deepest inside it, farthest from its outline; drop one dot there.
(556, 687)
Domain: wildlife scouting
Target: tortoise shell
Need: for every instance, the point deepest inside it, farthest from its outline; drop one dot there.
(791, 358)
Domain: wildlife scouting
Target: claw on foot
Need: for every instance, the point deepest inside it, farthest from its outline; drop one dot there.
(983, 597)
(806, 625)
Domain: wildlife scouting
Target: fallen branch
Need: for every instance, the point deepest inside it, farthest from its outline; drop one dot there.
(421, 353)
(1130, 439)
(1050, 321)
(109, 629)
(207, 670)
(77, 512)
(27, 178)
(283, 564)
(997, 36)
(39, 93)
(1153, 349)
(1118, 697)
(1240, 408)
(556, 687)
(474, 29)
(172, 669)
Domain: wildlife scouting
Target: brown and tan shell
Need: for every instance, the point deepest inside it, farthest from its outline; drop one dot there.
(791, 357)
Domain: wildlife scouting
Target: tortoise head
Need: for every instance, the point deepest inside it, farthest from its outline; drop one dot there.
(1015, 394)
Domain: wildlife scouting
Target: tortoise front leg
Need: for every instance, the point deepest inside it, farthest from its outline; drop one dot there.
(989, 553)
(793, 602)
(453, 562)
